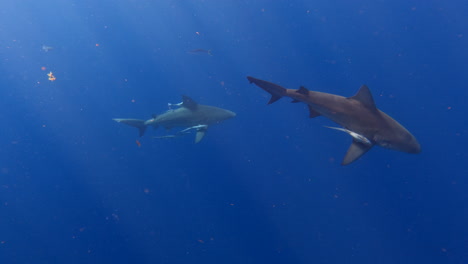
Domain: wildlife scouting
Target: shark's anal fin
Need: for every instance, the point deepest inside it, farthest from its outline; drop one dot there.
(312, 112)
(355, 151)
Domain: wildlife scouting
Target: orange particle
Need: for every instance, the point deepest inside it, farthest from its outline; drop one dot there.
(97, 44)
(138, 143)
(449, 108)
(43, 68)
(198, 33)
(51, 76)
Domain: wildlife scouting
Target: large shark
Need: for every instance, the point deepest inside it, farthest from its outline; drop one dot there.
(358, 114)
(189, 114)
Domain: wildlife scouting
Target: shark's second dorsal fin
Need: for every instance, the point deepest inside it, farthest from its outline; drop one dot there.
(365, 97)
(355, 151)
(302, 90)
(189, 103)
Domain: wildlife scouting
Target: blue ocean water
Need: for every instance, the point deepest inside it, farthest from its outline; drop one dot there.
(264, 187)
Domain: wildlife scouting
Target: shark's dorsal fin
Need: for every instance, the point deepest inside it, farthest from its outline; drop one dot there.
(355, 151)
(189, 103)
(365, 97)
(302, 90)
(312, 112)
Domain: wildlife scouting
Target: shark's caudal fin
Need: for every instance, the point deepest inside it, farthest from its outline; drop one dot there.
(275, 90)
(140, 124)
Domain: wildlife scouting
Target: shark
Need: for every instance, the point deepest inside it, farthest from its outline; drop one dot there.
(188, 114)
(358, 115)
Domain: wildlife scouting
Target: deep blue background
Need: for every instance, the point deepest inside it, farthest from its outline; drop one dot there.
(265, 187)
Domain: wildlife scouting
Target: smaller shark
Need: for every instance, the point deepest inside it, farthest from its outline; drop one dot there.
(189, 114)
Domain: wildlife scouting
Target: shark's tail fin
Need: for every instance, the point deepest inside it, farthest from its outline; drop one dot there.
(275, 90)
(140, 124)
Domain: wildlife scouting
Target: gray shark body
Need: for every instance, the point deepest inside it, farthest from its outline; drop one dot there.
(357, 114)
(190, 114)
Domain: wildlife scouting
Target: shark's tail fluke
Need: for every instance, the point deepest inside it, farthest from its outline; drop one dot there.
(275, 90)
(140, 124)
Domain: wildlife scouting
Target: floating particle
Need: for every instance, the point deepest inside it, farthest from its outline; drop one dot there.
(51, 76)
(47, 48)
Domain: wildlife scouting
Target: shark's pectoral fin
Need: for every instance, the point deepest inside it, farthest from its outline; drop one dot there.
(355, 151)
(200, 133)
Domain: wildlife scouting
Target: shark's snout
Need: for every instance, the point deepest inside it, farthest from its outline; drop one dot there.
(404, 142)
(231, 114)
(411, 144)
(414, 147)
